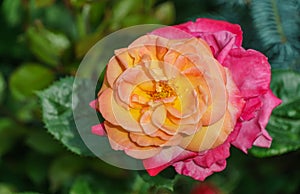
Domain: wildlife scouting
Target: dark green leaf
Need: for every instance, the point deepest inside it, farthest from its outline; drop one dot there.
(277, 23)
(43, 142)
(36, 170)
(284, 124)
(29, 78)
(64, 169)
(2, 87)
(158, 181)
(58, 117)
(12, 11)
(10, 133)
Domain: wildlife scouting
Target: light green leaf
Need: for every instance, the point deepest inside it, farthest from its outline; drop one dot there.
(29, 78)
(284, 124)
(81, 185)
(46, 45)
(58, 117)
(6, 188)
(121, 10)
(165, 12)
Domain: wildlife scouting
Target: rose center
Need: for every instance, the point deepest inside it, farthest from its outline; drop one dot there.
(162, 90)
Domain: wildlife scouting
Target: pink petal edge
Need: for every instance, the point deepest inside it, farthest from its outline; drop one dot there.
(99, 129)
(93, 104)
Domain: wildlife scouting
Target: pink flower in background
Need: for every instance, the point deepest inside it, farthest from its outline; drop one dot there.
(183, 95)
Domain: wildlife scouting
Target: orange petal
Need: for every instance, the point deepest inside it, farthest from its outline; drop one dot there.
(124, 58)
(105, 106)
(113, 71)
(145, 140)
(119, 140)
(115, 113)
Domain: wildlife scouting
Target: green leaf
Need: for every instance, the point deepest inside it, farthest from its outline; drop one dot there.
(43, 143)
(36, 170)
(2, 87)
(12, 11)
(121, 10)
(81, 185)
(6, 188)
(43, 3)
(284, 124)
(28, 78)
(64, 169)
(46, 45)
(165, 12)
(58, 117)
(159, 182)
(10, 133)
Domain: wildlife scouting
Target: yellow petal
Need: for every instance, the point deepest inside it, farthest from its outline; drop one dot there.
(209, 137)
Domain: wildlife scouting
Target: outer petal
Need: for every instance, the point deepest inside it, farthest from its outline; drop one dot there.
(253, 131)
(205, 25)
(119, 140)
(190, 168)
(205, 163)
(250, 71)
(166, 158)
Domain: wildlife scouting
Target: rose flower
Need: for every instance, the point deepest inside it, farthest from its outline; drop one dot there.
(182, 95)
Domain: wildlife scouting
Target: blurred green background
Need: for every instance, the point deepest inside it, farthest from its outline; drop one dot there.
(45, 40)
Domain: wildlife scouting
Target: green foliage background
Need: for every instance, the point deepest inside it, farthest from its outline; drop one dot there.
(44, 41)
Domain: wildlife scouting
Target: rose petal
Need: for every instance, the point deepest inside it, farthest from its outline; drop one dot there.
(105, 106)
(205, 25)
(244, 66)
(165, 158)
(221, 43)
(145, 140)
(119, 140)
(189, 168)
(116, 114)
(254, 129)
(209, 137)
(204, 164)
(113, 71)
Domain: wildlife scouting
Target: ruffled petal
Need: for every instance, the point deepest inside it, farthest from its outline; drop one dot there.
(205, 25)
(253, 131)
(250, 71)
(166, 158)
(119, 140)
(205, 163)
(190, 168)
